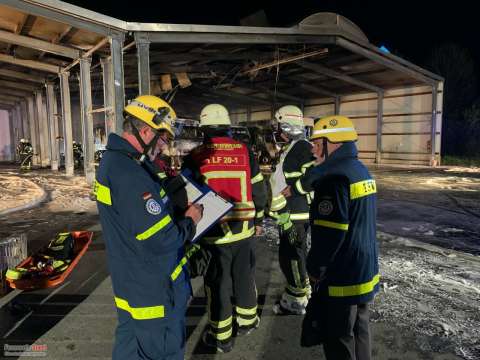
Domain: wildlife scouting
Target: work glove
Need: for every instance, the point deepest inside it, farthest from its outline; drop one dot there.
(198, 260)
(286, 228)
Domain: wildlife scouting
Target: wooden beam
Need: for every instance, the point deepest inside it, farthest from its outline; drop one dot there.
(10, 98)
(249, 99)
(20, 93)
(22, 76)
(20, 27)
(18, 85)
(37, 65)
(37, 44)
(8, 102)
(86, 55)
(320, 69)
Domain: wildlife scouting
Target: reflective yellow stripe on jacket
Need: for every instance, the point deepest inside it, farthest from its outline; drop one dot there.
(331, 224)
(307, 165)
(257, 178)
(362, 188)
(155, 228)
(141, 313)
(183, 261)
(354, 290)
(293, 174)
(102, 193)
(278, 203)
(229, 237)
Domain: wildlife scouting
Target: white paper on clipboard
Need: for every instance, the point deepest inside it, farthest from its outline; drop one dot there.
(214, 206)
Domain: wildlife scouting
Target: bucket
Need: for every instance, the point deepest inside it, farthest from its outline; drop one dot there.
(13, 250)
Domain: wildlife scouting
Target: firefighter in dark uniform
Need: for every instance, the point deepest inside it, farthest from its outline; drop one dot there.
(230, 169)
(144, 241)
(292, 211)
(343, 260)
(25, 153)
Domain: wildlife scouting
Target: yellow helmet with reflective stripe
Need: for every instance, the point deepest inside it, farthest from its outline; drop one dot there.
(155, 112)
(335, 129)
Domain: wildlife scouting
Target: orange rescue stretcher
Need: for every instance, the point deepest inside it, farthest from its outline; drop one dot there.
(45, 269)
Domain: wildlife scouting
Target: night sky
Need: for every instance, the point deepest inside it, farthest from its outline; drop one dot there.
(408, 28)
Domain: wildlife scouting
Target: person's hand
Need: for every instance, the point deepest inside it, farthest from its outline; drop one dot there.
(258, 230)
(195, 212)
(286, 192)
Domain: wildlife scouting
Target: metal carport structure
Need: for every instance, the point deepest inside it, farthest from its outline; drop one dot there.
(325, 56)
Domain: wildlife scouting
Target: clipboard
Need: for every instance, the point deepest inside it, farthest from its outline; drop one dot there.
(214, 206)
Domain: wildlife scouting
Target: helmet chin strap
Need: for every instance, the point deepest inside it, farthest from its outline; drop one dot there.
(146, 147)
(325, 149)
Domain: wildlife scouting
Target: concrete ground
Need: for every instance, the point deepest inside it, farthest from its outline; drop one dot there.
(77, 319)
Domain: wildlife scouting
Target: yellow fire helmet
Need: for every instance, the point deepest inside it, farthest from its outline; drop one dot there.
(153, 111)
(335, 129)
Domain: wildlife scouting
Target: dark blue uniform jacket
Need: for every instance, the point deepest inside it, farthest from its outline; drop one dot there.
(144, 242)
(344, 252)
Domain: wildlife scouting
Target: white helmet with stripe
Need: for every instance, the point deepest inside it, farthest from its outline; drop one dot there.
(290, 121)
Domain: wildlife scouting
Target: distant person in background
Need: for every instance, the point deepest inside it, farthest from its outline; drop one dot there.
(25, 153)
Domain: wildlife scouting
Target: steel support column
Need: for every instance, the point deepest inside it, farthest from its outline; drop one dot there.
(67, 123)
(108, 95)
(87, 119)
(19, 121)
(13, 153)
(32, 118)
(378, 155)
(433, 136)
(116, 48)
(51, 99)
(24, 115)
(41, 126)
(337, 105)
(143, 57)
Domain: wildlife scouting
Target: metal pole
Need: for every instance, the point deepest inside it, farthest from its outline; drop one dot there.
(26, 128)
(116, 45)
(67, 122)
(33, 130)
(12, 136)
(54, 155)
(46, 131)
(337, 105)
(56, 118)
(433, 136)
(40, 124)
(143, 56)
(87, 117)
(19, 121)
(378, 156)
(108, 94)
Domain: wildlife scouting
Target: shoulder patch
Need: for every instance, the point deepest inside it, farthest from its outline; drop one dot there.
(325, 207)
(153, 207)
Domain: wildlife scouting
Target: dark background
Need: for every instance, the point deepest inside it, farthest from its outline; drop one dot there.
(440, 36)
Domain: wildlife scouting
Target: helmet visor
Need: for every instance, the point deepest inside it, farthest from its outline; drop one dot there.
(291, 130)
